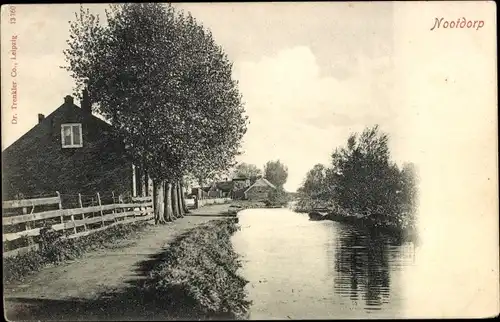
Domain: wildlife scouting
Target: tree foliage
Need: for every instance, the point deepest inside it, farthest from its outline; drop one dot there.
(246, 170)
(277, 198)
(315, 185)
(165, 86)
(362, 179)
(276, 173)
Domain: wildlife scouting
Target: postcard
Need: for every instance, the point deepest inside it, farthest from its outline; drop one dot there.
(267, 160)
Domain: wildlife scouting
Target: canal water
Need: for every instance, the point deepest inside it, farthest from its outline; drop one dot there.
(300, 269)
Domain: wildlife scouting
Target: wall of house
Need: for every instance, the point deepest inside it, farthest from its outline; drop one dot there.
(238, 194)
(258, 193)
(37, 164)
(214, 194)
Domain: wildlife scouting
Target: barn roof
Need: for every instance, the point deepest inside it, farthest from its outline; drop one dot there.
(262, 182)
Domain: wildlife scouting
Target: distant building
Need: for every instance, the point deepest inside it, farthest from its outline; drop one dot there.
(240, 183)
(199, 193)
(259, 190)
(239, 187)
(70, 151)
(225, 188)
(212, 191)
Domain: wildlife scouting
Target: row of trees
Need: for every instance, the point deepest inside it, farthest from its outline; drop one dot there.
(362, 179)
(159, 78)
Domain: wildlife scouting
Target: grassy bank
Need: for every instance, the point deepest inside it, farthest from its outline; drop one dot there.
(54, 250)
(197, 276)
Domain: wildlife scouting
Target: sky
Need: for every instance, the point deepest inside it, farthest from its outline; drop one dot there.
(309, 74)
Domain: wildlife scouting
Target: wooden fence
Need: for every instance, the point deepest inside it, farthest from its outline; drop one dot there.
(212, 201)
(22, 229)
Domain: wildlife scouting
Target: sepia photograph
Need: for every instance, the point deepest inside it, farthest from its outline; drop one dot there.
(249, 161)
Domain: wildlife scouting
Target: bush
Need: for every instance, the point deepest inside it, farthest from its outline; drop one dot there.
(198, 276)
(277, 198)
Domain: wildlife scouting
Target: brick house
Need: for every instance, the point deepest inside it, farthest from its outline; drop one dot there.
(70, 151)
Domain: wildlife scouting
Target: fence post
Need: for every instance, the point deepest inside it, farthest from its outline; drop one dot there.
(74, 224)
(27, 226)
(100, 206)
(83, 215)
(114, 209)
(60, 206)
(120, 200)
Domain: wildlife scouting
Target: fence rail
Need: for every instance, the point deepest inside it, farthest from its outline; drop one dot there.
(212, 201)
(69, 221)
(30, 202)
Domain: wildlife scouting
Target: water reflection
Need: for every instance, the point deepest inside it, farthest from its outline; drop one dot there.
(364, 262)
(302, 269)
(362, 267)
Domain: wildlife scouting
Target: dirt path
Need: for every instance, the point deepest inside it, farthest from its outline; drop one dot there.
(99, 272)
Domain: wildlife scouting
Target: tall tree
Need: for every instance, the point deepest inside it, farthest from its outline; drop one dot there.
(276, 172)
(314, 183)
(362, 175)
(165, 86)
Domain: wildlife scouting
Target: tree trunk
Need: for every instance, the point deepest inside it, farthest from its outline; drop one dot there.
(200, 191)
(158, 202)
(147, 179)
(149, 186)
(138, 175)
(183, 201)
(145, 183)
(175, 200)
(144, 179)
(168, 201)
(179, 200)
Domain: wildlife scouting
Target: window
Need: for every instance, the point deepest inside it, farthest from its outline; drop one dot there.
(71, 135)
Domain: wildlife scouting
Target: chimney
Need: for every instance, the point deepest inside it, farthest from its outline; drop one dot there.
(68, 99)
(40, 118)
(86, 106)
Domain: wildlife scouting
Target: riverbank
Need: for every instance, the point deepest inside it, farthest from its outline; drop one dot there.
(197, 275)
(371, 224)
(239, 205)
(383, 224)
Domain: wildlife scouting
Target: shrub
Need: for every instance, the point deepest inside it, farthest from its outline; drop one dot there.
(277, 198)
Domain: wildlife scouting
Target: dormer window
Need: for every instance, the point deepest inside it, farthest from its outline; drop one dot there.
(71, 135)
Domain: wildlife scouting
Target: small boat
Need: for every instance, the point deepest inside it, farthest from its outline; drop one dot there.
(318, 214)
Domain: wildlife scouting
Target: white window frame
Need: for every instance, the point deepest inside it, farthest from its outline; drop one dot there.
(72, 145)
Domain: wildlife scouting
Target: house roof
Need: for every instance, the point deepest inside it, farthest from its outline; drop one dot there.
(262, 182)
(66, 108)
(225, 186)
(239, 179)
